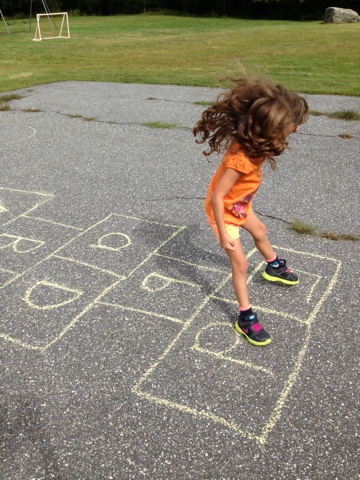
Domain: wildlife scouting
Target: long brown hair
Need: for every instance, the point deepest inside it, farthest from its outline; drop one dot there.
(256, 113)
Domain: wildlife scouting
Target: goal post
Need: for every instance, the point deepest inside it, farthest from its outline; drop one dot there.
(49, 30)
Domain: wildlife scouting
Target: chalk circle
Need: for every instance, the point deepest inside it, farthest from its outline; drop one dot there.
(217, 337)
(58, 295)
(113, 241)
(155, 282)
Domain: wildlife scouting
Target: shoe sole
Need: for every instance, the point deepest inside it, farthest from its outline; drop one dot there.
(270, 278)
(250, 340)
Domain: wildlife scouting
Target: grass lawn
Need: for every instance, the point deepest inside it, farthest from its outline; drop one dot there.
(307, 57)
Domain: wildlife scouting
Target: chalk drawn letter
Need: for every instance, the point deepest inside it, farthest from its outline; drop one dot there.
(19, 244)
(46, 289)
(113, 241)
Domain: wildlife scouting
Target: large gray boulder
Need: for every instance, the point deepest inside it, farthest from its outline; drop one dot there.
(341, 15)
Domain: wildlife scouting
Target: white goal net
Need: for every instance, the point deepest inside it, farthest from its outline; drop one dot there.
(52, 25)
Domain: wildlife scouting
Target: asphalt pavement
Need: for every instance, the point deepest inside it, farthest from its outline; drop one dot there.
(118, 355)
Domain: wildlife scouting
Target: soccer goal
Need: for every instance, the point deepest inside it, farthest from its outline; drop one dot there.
(47, 29)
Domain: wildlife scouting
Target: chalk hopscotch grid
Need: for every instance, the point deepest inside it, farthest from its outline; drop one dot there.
(56, 254)
(214, 295)
(276, 412)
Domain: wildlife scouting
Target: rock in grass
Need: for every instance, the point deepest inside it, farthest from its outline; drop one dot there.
(341, 15)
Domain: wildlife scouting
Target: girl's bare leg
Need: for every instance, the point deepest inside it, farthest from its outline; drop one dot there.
(239, 267)
(258, 231)
(249, 324)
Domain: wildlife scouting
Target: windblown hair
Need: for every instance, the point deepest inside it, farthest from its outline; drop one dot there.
(256, 113)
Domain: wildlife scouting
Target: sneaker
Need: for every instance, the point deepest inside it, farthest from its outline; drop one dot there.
(281, 274)
(252, 329)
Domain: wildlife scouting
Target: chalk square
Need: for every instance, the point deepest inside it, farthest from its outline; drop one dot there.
(27, 241)
(47, 301)
(14, 203)
(214, 372)
(166, 287)
(205, 349)
(298, 301)
(119, 244)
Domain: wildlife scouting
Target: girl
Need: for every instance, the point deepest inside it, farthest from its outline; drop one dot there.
(252, 122)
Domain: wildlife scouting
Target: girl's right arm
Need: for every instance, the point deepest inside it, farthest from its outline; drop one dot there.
(217, 199)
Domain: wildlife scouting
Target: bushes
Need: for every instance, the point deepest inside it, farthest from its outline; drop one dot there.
(271, 9)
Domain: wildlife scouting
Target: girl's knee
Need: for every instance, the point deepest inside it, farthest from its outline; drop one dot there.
(240, 265)
(260, 233)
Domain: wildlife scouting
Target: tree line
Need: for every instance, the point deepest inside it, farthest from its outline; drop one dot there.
(256, 9)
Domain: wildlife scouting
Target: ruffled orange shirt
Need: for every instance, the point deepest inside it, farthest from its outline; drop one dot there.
(238, 202)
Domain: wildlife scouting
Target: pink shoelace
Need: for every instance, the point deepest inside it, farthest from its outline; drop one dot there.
(257, 327)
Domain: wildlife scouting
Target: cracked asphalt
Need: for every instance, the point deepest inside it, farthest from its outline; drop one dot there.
(118, 355)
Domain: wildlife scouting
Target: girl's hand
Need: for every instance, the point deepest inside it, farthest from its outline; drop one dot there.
(227, 243)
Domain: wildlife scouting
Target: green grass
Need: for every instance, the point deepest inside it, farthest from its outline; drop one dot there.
(203, 103)
(8, 98)
(307, 57)
(303, 228)
(161, 125)
(349, 115)
(4, 107)
(4, 99)
(345, 115)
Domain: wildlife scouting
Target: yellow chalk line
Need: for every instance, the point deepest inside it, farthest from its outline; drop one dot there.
(137, 387)
(172, 344)
(7, 271)
(211, 269)
(197, 413)
(154, 252)
(233, 360)
(75, 319)
(15, 243)
(290, 383)
(310, 254)
(138, 310)
(19, 343)
(309, 297)
(274, 417)
(262, 309)
(114, 249)
(28, 191)
(183, 330)
(169, 281)
(144, 220)
(90, 265)
(221, 354)
(46, 220)
(32, 208)
(60, 248)
(29, 291)
(281, 314)
(9, 282)
(254, 272)
(25, 345)
(104, 292)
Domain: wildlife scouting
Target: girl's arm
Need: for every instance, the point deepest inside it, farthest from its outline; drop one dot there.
(217, 199)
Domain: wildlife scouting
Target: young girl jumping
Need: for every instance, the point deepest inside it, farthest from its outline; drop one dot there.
(252, 122)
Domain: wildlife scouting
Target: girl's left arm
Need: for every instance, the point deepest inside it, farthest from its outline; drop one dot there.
(222, 189)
